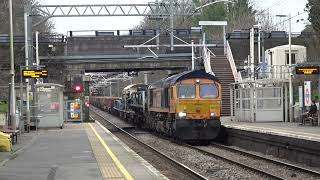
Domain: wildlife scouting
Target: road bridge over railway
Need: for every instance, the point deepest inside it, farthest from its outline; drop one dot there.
(122, 63)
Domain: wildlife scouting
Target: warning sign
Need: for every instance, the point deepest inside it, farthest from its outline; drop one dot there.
(307, 93)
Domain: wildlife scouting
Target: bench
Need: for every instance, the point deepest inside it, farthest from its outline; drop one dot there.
(312, 119)
(13, 134)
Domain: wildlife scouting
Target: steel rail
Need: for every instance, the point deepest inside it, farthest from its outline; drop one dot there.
(160, 154)
(230, 160)
(267, 159)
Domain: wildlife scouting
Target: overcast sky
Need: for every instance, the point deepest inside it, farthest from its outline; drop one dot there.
(63, 25)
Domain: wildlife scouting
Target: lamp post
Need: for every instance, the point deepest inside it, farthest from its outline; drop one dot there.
(13, 97)
(290, 70)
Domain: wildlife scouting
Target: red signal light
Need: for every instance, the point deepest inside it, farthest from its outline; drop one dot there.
(77, 88)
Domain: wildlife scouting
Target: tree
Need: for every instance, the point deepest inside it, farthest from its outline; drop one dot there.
(18, 29)
(240, 15)
(313, 7)
(18, 17)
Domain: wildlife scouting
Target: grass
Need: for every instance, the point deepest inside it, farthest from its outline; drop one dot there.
(3, 108)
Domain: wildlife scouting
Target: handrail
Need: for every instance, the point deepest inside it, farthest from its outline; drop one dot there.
(206, 56)
(236, 75)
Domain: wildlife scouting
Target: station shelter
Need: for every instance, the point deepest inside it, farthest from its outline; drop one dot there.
(50, 106)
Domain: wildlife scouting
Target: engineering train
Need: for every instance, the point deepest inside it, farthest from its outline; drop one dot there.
(185, 106)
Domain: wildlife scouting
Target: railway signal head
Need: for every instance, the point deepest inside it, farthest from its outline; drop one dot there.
(77, 88)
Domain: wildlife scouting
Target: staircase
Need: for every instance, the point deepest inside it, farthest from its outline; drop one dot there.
(222, 69)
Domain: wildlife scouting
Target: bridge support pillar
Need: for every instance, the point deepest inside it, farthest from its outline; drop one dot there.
(85, 98)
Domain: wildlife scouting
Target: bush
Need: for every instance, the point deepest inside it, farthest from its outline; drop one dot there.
(3, 106)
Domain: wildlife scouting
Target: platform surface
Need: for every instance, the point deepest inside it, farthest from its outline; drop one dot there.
(294, 130)
(79, 151)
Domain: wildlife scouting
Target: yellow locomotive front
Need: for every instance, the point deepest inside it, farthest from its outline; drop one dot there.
(198, 99)
(196, 104)
(186, 106)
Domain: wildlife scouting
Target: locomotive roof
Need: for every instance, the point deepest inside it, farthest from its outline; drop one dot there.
(135, 87)
(166, 82)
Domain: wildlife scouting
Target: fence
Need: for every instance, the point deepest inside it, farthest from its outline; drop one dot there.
(280, 72)
(253, 102)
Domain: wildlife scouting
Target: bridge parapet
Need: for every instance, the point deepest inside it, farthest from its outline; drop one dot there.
(106, 45)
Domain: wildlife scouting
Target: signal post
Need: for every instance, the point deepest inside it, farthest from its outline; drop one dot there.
(77, 91)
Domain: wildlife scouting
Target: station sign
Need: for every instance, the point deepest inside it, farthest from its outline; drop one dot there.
(35, 73)
(308, 70)
(307, 93)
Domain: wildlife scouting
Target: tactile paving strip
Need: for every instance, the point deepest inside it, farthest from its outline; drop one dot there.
(108, 168)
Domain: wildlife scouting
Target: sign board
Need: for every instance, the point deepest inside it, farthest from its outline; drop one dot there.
(307, 93)
(213, 23)
(44, 89)
(74, 110)
(308, 70)
(34, 73)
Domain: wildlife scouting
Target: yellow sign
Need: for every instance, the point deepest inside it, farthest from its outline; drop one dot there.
(307, 70)
(35, 73)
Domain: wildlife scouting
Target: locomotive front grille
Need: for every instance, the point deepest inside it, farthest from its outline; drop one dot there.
(200, 109)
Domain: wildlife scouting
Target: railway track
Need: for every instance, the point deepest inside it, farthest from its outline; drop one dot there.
(259, 165)
(168, 166)
(276, 174)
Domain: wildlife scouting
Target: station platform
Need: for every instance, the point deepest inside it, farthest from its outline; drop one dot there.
(294, 130)
(291, 141)
(85, 151)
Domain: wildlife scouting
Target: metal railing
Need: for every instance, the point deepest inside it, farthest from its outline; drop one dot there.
(236, 75)
(43, 38)
(270, 35)
(133, 32)
(280, 72)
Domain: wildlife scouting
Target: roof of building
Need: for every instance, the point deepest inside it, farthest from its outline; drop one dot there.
(287, 47)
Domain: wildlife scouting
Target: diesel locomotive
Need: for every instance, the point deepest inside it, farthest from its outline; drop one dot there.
(186, 106)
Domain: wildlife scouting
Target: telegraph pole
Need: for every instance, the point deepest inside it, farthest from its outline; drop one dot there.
(290, 75)
(26, 49)
(13, 95)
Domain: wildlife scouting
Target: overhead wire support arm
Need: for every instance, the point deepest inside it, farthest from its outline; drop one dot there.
(150, 9)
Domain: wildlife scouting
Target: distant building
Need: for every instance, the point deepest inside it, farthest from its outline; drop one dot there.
(277, 60)
(279, 55)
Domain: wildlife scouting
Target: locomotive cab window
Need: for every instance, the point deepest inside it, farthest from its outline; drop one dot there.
(186, 91)
(209, 91)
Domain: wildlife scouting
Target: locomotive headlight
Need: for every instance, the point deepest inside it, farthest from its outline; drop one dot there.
(182, 114)
(212, 114)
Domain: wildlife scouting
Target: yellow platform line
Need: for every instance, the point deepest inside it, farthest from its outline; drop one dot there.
(113, 157)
